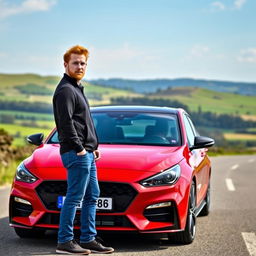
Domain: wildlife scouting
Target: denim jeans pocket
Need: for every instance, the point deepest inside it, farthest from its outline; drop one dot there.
(82, 158)
(68, 158)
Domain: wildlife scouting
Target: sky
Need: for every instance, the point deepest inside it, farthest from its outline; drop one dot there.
(132, 39)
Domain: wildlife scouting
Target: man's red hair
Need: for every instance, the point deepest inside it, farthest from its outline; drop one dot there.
(77, 49)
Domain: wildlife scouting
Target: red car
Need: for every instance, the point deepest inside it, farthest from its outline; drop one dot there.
(154, 175)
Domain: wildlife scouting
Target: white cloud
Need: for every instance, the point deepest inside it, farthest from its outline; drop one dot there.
(119, 62)
(199, 51)
(124, 53)
(248, 55)
(26, 6)
(218, 6)
(239, 3)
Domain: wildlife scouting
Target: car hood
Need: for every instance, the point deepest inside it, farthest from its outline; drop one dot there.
(46, 162)
(141, 158)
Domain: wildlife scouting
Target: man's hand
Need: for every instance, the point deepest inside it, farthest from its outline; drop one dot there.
(96, 154)
(81, 153)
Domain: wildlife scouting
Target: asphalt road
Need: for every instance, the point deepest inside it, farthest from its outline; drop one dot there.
(230, 229)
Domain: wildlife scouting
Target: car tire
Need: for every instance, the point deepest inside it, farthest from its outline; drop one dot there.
(206, 209)
(29, 233)
(188, 235)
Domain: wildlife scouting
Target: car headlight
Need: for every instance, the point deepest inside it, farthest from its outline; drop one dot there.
(167, 177)
(22, 174)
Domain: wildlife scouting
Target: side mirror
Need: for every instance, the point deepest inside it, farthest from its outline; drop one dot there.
(202, 142)
(36, 139)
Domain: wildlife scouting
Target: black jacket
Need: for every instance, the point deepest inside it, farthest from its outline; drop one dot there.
(73, 118)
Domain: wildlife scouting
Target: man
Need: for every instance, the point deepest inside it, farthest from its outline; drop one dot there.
(78, 149)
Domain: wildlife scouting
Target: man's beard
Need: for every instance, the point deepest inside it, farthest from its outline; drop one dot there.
(77, 76)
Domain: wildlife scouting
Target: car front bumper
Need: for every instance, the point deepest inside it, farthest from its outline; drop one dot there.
(135, 208)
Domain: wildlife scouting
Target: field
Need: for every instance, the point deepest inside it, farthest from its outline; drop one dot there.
(240, 136)
(24, 88)
(21, 132)
(36, 116)
(7, 173)
(193, 97)
(212, 101)
(34, 88)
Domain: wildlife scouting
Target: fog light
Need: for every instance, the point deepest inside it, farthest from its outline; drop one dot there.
(164, 204)
(22, 201)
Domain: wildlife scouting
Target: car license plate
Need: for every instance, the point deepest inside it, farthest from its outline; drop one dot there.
(103, 203)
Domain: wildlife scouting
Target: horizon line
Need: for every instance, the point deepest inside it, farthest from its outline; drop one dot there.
(134, 79)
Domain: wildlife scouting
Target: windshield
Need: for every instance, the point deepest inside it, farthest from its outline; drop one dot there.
(135, 128)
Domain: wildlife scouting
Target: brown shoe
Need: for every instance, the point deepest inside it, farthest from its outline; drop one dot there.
(71, 247)
(96, 247)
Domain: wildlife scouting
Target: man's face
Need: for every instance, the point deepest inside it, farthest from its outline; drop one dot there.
(76, 66)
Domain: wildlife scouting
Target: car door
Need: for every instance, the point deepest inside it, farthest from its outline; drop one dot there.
(198, 161)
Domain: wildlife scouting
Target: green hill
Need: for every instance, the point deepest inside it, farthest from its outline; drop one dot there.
(7, 80)
(26, 104)
(153, 85)
(36, 88)
(207, 100)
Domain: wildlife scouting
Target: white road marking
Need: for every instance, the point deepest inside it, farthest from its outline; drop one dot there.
(250, 241)
(251, 160)
(230, 185)
(234, 167)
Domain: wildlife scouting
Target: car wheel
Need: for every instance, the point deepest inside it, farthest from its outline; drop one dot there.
(188, 235)
(206, 209)
(29, 233)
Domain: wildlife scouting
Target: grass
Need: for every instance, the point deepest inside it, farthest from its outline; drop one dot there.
(36, 116)
(240, 137)
(220, 151)
(10, 80)
(252, 129)
(46, 124)
(218, 102)
(249, 117)
(21, 132)
(7, 172)
(9, 89)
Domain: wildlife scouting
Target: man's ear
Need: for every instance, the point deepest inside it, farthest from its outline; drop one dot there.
(65, 64)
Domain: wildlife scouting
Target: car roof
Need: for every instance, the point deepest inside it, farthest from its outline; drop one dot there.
(136, 108)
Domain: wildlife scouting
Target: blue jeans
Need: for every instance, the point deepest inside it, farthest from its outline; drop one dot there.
(82, 186)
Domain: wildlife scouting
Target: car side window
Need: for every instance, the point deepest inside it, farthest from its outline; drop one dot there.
(193, 127)
(190, 130)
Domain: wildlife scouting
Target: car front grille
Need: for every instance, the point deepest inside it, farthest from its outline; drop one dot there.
(101, 220)
(122, 194)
